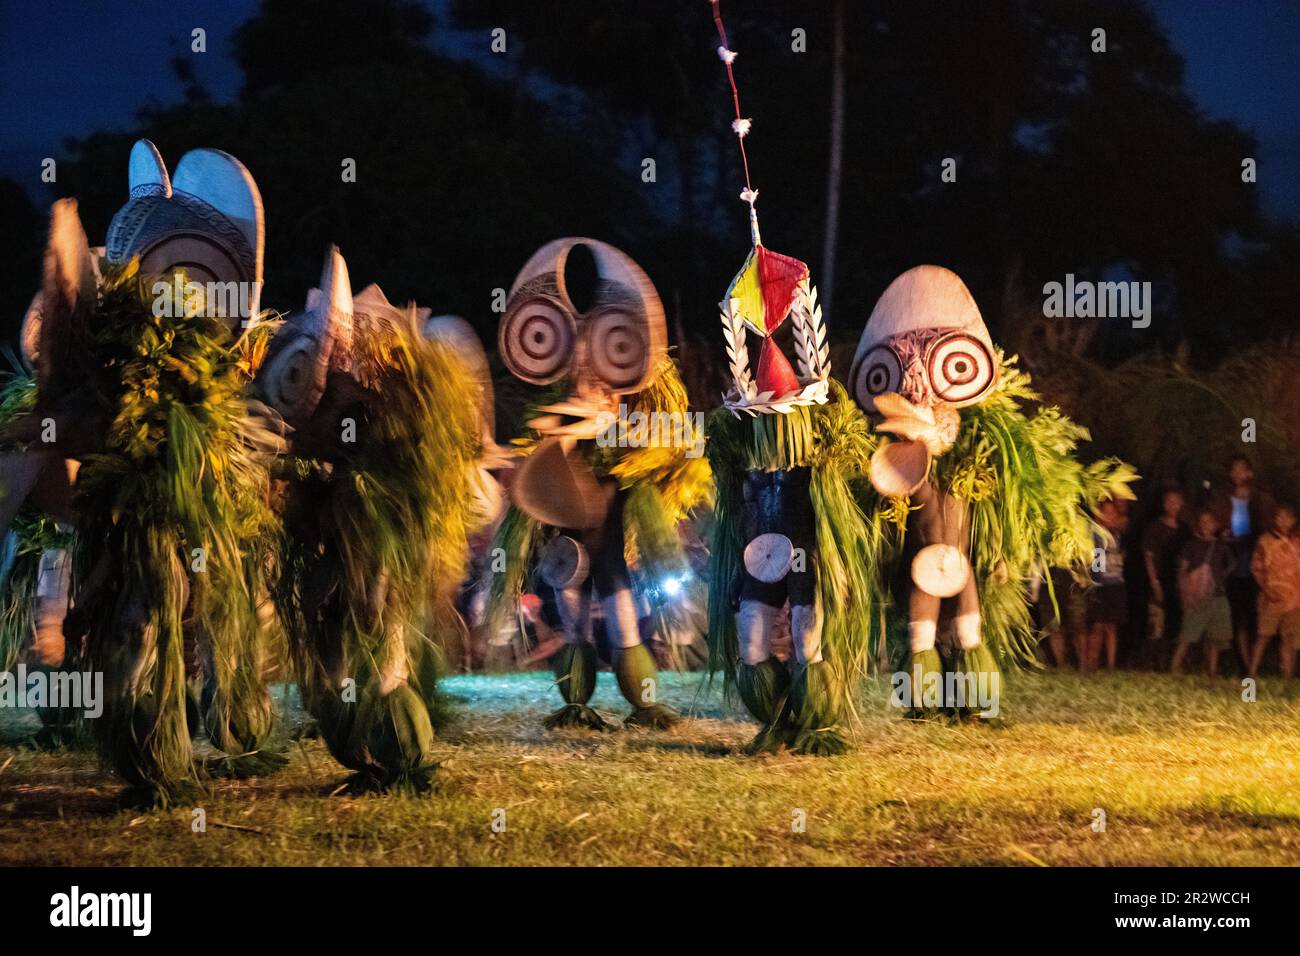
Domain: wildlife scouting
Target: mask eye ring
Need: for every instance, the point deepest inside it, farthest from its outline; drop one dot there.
(290, 377)
(877, 372)
(537, 338)
(961, 369)
(618, 348)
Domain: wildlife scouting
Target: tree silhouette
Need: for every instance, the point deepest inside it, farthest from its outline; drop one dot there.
(21, 246)
(1067, 159)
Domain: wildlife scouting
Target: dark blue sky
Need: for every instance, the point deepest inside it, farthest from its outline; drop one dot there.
(1243, 64)
(67, 68)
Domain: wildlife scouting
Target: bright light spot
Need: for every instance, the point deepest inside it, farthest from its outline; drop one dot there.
(672, 586)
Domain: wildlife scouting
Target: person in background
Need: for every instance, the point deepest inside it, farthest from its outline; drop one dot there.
(1058, 613)
(1276, 567)
(1108, 597)
(1244, 512)
(543, 630)
(1204, 565)
(1162, 540)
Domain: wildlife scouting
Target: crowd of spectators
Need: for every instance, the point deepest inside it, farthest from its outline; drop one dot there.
(1193, 581)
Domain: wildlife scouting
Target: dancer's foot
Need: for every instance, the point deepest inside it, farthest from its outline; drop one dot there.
(822, 742)
(576, 715)
(655, 717)
(770, 740)
(259, 763)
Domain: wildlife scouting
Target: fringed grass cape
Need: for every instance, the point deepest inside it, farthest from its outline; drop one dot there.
(1029, 500)
(173, 530)
(368, 537)
(835, 442)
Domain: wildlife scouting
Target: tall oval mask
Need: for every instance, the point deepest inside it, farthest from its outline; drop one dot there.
(582, 308)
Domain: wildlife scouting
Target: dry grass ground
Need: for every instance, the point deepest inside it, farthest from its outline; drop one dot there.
(1184, 771)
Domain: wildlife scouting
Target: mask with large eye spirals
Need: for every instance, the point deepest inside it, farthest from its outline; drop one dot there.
(929, 320)
(878, 372)
(294, 375)
(617, 349)
(537, 339)
(961, 369)
(582, 310)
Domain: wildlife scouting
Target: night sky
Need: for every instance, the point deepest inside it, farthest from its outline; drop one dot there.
(68, 68)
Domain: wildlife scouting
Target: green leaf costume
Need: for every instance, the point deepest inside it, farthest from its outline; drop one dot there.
(792, 549)
(141, 381)
(608, 472)
(376, 505)
(984, 490)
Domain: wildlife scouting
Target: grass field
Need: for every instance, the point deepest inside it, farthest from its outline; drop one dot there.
(1184, 771)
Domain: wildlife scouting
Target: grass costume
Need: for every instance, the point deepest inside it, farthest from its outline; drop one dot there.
(609, 470)
(384, 436)
(983, 488)
(137, 435)
(792, 550)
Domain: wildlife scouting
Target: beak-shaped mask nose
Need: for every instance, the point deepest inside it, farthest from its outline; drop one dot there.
(899, 467)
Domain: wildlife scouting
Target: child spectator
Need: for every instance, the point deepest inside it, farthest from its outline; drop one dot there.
(1162, 540)
(1108, 598)
(1203, 568)
(1276, 566)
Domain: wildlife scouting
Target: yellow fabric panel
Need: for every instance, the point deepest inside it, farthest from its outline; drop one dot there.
(747, 291)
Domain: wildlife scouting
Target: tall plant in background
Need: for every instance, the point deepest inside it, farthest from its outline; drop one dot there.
(1178, 423)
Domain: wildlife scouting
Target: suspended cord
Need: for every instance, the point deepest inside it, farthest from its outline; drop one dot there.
(740, 125)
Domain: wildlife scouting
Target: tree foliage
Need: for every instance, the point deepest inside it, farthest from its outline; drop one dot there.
(1067, 160)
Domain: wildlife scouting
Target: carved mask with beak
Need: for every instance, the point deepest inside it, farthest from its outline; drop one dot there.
(924, 353)
(604, 351)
